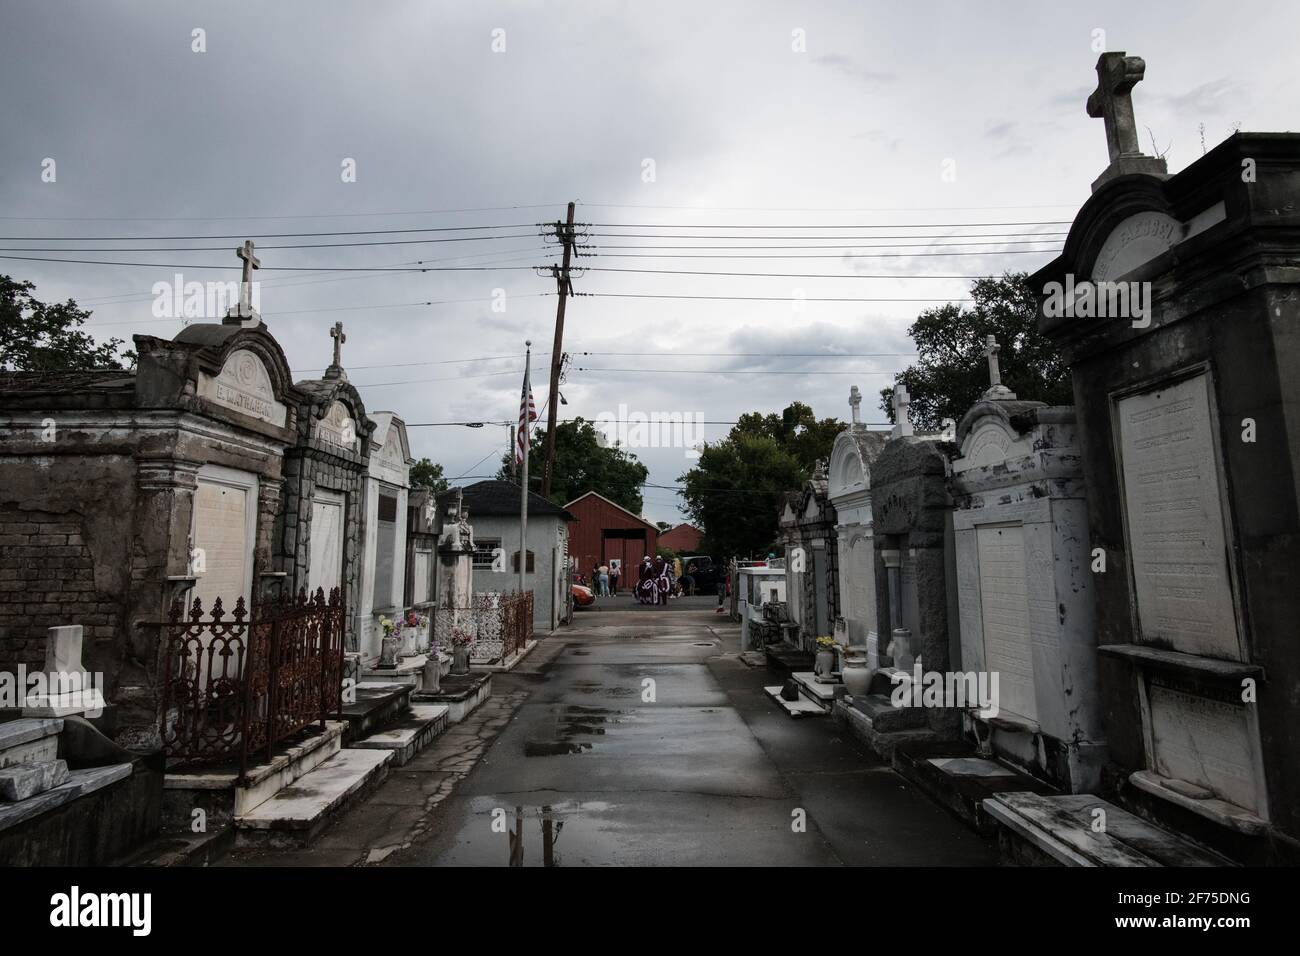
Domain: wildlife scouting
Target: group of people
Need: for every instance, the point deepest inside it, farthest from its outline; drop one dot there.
(656, 580)
(605, 578)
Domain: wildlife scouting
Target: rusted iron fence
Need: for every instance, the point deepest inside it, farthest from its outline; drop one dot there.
(499, 625)
(236, 684)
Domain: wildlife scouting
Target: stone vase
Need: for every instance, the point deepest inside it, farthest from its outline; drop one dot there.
(856, 675)
(431, 678)
(388, 652)
(460, 659)
(824, 663)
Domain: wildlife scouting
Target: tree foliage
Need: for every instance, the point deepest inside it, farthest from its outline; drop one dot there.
(735, 491)
(40, 337)
(583, 463)
(426, 474)
(951, 372)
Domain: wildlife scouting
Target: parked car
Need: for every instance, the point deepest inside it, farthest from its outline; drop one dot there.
(707, 573)
(582, 596)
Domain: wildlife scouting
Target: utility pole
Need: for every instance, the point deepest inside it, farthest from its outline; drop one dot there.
(564, 232)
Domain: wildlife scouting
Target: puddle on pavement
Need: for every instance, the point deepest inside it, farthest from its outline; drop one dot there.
(577, 721)
(568, 831)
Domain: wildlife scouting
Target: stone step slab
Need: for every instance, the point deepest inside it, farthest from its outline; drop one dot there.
(297, 814)
(1063, 828)
(802, 707)
(21, 781)
(29, 740)
(409, 734)
(78, 784)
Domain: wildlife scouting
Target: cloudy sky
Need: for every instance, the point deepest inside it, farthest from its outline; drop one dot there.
(897, 120)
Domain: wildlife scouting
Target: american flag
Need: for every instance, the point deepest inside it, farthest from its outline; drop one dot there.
(527, 413)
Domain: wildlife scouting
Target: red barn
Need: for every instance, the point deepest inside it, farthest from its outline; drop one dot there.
(684, 539)
(603, 532)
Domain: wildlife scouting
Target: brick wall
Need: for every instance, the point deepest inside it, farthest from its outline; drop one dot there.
(47, 578)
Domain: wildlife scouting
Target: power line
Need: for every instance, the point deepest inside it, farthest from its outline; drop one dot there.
(196, 265)
(333, 215)
(767, 275)
(768, 298)
(317, 245)
(736, 371)
(842, 255)
(845, 242)
(271, 235)
(867, 225)
(766, 354)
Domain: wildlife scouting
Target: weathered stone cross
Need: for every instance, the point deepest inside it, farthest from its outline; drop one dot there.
(1112, 101)
(991, 349)
(902, 422)
(855, 400)
(339, 338)
(251, 262)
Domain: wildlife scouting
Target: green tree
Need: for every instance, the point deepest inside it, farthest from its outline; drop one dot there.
(951, 371)
(426, 474)
(583, 463)
(736, 490)
(40, 337)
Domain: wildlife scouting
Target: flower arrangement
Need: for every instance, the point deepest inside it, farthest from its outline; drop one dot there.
(827, 643)
(461, 637)
(415, 620)
(389, 627)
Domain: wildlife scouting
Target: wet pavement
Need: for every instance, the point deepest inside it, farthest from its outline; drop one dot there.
(640, 738)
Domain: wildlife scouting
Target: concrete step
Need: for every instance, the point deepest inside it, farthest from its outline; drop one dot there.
(21, 781)
(296, 815)
(820, 693)
(462, 693)
(409, 671)
(784, 659)
(183, 848)
(961, 780)
(803, 707)
(410, 734)
(29, 740)
(375, 704)
(1084, 830)
(216, 789)
(79, 784)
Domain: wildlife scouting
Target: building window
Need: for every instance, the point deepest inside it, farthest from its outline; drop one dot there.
(485, 553)
(515, 563)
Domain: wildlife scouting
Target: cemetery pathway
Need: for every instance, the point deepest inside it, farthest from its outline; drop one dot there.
(577, 760)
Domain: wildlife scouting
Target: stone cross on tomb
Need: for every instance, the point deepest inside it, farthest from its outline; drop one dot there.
(990, 352)
(902, 423)
(251, 262)
(996, 389)
(336, 333)
(1112, 102)
(855, 401)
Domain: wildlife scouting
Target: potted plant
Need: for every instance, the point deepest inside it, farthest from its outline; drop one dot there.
(460, 643)
(824, 664)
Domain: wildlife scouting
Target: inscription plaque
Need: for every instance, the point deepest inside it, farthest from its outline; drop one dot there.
(1004, 612)
(1177, 539)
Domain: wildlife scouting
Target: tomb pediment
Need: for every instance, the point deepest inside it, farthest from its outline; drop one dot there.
(244, 385)
(390, 454)
(338, 427)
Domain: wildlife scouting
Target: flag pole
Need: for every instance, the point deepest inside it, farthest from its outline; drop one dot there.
(526, 439)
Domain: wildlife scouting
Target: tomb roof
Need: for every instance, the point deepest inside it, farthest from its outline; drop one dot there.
(494, 497)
